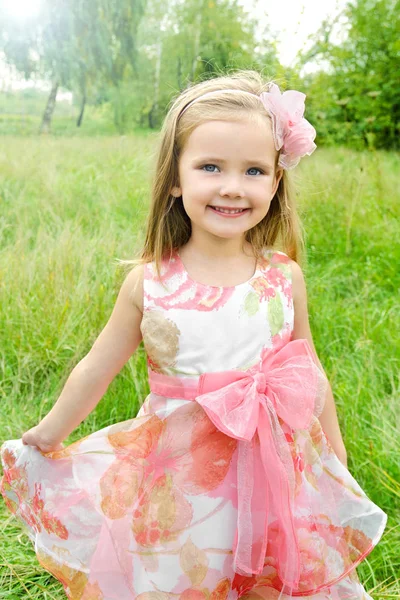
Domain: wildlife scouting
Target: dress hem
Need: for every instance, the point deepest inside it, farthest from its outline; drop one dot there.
(326, 586)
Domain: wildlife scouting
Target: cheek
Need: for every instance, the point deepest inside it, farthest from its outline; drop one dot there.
(197, 187)
(262, 197)
(263, 205)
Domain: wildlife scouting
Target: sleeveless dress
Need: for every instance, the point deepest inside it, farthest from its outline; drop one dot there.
(224, 485)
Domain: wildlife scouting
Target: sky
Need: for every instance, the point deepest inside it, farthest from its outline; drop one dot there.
(291, 20)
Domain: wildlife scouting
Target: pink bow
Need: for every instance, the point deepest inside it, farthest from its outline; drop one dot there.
(292, 133)
(285, 385)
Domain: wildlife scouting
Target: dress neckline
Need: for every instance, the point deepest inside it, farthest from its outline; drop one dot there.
(218, 287)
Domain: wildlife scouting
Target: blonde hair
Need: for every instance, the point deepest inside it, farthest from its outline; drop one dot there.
(169, 227)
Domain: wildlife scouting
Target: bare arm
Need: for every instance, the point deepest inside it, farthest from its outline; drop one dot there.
(91, 377)
(301, 330)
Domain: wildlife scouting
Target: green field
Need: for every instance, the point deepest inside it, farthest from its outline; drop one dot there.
(70, 206)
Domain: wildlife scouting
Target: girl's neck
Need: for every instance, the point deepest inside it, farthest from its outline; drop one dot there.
(220, 264)
(215, 249)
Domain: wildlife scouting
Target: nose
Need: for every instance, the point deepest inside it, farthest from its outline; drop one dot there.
(232, 187)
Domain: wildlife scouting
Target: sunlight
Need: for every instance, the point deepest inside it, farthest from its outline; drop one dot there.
(22, 9)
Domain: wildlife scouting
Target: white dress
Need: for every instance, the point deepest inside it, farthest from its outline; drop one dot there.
(224, 485)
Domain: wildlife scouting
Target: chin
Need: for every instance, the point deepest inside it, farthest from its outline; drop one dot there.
(228, 235)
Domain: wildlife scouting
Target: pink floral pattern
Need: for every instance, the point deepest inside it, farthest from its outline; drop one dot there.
(183, 292)
(148, 508)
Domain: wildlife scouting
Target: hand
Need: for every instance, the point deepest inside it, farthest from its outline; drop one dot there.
(37, 438)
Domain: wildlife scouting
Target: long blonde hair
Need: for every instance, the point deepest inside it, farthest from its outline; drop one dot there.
(168, 226)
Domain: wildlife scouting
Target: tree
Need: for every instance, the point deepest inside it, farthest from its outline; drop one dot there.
(357, 100)
(42, 46)
(185, 41)
(74, 43)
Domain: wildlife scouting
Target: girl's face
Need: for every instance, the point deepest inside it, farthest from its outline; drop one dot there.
(227, 176)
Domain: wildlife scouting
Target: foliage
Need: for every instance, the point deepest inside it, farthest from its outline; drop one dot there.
(356, 101)
(184, 42)
(41, 44)
(74, 43)
(133, 56)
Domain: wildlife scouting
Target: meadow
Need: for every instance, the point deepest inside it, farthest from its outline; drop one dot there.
(69, 207)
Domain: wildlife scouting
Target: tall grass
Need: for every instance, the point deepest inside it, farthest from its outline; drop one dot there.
(69, 207)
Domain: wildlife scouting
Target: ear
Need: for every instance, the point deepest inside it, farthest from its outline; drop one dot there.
(176, 192)
(278, 177)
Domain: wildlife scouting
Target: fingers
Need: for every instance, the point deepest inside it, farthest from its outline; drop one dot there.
(25, 439)
(31, 438)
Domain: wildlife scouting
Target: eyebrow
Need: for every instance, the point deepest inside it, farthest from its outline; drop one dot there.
(209, 159)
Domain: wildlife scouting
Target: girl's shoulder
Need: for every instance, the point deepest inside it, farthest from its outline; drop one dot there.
(153, 271)
(291, 270)
(134, 284)
(272, 257)
(280, 265)
(276, 255)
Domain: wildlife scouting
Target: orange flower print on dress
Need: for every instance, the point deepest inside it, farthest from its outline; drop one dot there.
(120, 483)
(119, 486)
(32, 510)
(241, 584)
(148, 468)
(200, 466)
(73, 580)
(67, 451)
(50, 523)
(75, 583)
(92, 591)
(262, 288)
(211, 454)
(9, 459)
(194, 563)
(14, 486)
(222, 590)
(161, 514)
(325, 550)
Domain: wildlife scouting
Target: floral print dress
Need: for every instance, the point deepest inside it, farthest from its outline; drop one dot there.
(224, 485)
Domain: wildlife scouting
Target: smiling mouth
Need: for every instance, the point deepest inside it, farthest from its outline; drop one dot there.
(229, 211)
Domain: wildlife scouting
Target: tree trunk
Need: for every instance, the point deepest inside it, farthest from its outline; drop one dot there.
(83, 104)
(48, 112)
(179, 73)
(150, 117)
(154, 109)
(196, 45)
(157, 77)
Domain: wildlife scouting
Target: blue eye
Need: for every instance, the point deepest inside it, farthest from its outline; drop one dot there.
(255, 169)
(209, 168)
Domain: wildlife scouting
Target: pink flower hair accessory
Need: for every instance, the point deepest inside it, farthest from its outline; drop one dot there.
(292, 133)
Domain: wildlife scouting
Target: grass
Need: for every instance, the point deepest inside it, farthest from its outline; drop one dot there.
(70, 206)
(21, 114)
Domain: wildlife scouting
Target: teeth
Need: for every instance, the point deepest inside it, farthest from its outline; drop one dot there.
(229, 212)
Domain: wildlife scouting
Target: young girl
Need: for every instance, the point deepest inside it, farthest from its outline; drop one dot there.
(232, 480)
